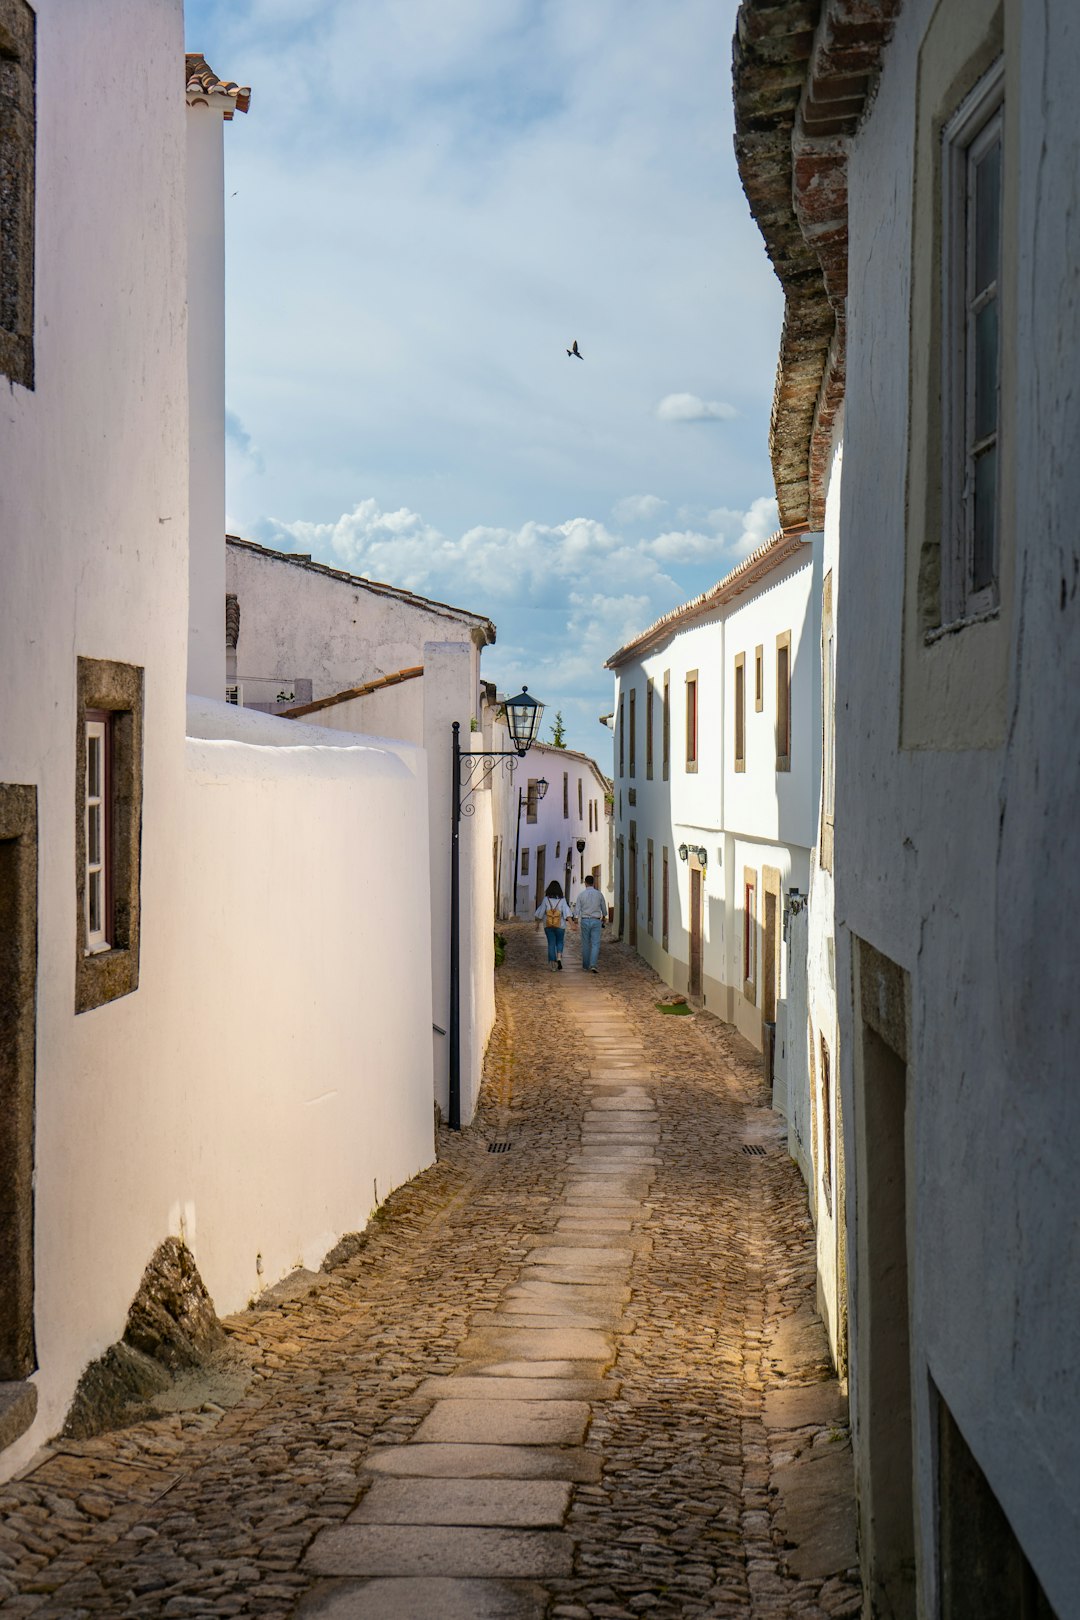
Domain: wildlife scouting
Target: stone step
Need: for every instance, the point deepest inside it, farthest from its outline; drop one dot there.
(432, 1597)
(470, 1461)
(376, 1549)
(530, 1504)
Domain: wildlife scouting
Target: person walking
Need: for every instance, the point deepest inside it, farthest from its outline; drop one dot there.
(554, 913)
(590, 909)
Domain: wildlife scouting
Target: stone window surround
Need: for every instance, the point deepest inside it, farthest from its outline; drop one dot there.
(18, 74)
(968, 659)
(118, 690)
(18, 1042)
(693, 720)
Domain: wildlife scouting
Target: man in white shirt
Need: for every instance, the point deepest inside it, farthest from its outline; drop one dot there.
(590, 909)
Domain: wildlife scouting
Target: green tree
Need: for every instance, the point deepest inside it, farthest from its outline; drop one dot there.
(558, 731)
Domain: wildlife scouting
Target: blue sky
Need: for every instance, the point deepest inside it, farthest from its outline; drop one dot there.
(429, 200)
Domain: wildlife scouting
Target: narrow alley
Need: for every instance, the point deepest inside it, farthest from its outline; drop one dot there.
(573, 1370)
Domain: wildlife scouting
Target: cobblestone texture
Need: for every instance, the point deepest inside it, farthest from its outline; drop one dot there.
(699, 1276)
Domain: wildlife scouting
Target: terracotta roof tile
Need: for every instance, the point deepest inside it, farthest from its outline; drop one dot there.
(204, 86)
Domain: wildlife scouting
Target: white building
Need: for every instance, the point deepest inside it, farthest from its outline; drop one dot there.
(716, 781)
(189, 1020)
(561, 831)
(336, 650)
(916, 187)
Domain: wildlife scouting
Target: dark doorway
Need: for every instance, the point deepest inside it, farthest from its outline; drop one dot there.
(18, 981)
(631, 898)
(695, 931)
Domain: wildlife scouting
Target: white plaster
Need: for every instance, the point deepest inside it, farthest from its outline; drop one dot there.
(962, 865)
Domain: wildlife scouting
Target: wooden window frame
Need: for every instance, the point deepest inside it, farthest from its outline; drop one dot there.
(115, 691)
(98, 815)
(580, 799)
(759, 678)
(524, 862)
(783, 701)
(970, 134)
(693, 719)
(566, 795)
(649, 695)
(828, 723)
(622, 734)
(665, 900)
(532, 801)
(738, 730)
(650, 883)
(666, 725)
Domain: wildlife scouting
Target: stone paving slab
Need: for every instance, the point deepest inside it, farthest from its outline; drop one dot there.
(600, 1321)
(556, 1344)
(368, 1549)
(415, 1461)
(431, 1597)
(493, 1388)
(506, 1423)
(568, 1255)
(534, 1504)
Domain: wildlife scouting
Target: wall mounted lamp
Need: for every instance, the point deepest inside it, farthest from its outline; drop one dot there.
(683, 852)
(581, 846)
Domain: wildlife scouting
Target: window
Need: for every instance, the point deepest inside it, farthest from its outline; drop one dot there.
(783, 701)
(749, 932)
(740, 711)
(667, 723)
(558, 849)
(108, 830)
(759, 679)
(828, 722)
(524, 863)
(18, 71)
(692, 720)
(649, 876)
(633, 731)
(532, 800)
(971, 198)
(622, 740)
(648, 729)
(580, 793)
(664, 901)
(97, 898)
(566, 795)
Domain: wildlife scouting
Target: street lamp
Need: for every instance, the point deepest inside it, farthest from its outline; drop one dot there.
(523, 722)
(541, 789)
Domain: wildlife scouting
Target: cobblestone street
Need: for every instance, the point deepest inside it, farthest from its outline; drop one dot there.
(577, 1376)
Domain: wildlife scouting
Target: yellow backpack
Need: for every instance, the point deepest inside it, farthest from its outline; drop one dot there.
(553, 916)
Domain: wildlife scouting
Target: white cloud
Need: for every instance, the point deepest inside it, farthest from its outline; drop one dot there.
(689, 408)
(239, 440)
(637, 508)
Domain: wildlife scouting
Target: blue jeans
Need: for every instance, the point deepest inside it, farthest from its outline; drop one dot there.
(555, 939)
(590, 941)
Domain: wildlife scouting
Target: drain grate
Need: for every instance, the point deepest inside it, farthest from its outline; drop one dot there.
(754, 1150)
(499, 1147)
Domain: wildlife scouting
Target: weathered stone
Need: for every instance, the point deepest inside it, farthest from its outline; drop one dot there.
(494, 1388)
(172, 1317)
(431, 1597)
(512, 1422)
(484, 1462)
(802, 1404)
(398, 1550)
(817, 1513)
(508, 1503)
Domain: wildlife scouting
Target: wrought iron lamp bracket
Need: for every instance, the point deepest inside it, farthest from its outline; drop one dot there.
(476, 769)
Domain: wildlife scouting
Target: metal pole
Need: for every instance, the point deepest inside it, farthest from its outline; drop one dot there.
(455, 941)
(517, 859)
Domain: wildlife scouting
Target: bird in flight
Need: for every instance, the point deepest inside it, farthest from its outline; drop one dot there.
(575, 353)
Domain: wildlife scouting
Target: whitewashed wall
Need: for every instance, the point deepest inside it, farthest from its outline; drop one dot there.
(267, 1032)
(552, 829)
(300, 623)
(962, 865)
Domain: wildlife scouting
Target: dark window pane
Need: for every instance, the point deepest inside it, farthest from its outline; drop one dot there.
(984, 546)
(987, 216)
(986, 370)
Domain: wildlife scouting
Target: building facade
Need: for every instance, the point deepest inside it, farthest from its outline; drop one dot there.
(915, 183)
(173, 937)
(560, 831)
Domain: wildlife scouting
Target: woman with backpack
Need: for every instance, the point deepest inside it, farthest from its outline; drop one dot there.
(554, 913)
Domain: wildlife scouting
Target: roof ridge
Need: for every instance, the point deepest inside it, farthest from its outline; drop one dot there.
(781, 545)
(304, 560)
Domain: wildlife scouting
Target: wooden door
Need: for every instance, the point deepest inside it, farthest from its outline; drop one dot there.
(541, 874)
(621, 862)
(695, 931)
